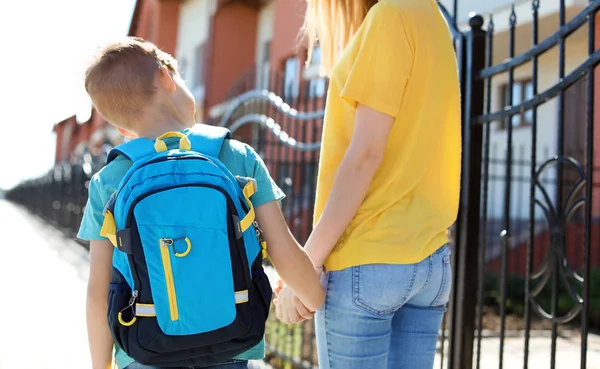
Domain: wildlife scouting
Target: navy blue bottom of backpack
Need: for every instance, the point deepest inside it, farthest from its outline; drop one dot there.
(146, 343)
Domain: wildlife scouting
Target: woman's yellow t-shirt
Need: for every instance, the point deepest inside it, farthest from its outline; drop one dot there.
(401, 62)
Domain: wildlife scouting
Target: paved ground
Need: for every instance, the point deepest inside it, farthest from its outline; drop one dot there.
(568, 353)
(42, 295)
(42, 305)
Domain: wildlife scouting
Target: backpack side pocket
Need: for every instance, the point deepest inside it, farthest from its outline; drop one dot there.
(118, 299)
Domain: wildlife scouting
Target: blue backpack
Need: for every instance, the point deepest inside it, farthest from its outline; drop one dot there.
(188, 286)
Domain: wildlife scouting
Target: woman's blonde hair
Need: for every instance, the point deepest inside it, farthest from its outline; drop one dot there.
(332, 23)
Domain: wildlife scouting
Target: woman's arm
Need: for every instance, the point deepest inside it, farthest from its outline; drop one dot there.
(99, 337)
(352, 181)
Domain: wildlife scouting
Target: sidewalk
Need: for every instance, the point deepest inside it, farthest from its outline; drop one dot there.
(43, 285)
(42, 317)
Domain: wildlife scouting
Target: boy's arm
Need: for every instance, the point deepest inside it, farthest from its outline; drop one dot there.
(99, 336)
(101, 251)
(289, 259)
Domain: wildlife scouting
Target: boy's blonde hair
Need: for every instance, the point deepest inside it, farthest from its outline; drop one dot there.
(120, 80)
(333, 22)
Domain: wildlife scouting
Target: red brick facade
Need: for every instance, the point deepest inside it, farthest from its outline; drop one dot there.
(232, 48)
(156, 21)
(288, 19)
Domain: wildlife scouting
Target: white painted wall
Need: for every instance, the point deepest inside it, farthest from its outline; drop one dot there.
(523, 7)
(522, 137)
(478, 6)
(264, 34)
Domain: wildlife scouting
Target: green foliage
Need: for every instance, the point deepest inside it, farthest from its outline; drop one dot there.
(515, 295)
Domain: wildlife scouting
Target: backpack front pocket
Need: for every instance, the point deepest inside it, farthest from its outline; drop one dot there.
(189, 262)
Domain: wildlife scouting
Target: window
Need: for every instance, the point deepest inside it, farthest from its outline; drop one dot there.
(199, 66)
(197, 80)
(316, 56)
(521, 91)
(574, 136)
(574, 121)
(317, 87)
(292, 77)
(196, 77)
(317, 84)
(182, 66)
(264, 70)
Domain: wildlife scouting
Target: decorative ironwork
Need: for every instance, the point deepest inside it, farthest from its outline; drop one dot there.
(266, 121)
(512, 20)
(271, 98)
(558, 216)
(456, 33)
(275, 129)
(565, 31)
(553, 268)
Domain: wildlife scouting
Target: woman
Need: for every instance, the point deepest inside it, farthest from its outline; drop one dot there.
(388, 185)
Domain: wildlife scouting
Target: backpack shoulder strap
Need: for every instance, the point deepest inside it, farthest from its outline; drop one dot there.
(207, 139)
(132, 150)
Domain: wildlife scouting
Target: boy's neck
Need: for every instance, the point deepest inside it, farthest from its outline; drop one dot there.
(151, 130)
(155, 122)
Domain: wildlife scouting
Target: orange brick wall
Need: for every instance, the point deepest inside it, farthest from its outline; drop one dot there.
(232, 49)
(157, 22)
(289, 16)
(167, 26)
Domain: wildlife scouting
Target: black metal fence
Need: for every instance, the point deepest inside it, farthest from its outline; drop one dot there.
(59, 197)
(527, 238)
(556, 288)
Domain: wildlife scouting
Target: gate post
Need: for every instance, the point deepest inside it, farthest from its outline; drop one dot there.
(466, 251)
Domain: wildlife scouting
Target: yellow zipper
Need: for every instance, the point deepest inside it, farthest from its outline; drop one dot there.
(166, 259)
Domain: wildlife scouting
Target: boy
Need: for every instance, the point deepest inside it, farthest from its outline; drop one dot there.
(136, 87)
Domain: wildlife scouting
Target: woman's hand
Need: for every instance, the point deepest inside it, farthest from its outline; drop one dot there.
(288, 307)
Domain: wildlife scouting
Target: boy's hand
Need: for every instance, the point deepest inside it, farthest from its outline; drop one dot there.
(288, 307)
(279, 287)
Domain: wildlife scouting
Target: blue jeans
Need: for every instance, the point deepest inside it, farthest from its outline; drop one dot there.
(384, 316)
(228, 365)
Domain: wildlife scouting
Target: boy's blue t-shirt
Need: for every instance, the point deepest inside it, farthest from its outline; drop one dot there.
(238, 157)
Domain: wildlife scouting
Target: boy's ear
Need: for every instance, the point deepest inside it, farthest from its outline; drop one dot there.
(165, 80)
(126, 133)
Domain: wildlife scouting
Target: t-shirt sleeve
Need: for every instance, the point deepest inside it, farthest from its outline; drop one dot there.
(102, 185)
(92, 216)
(381, 68)
(267, 188)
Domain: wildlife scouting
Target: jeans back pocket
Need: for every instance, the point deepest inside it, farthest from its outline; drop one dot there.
(441, 264)
(382, 288)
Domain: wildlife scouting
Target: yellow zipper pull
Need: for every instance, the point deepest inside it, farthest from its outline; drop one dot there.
(263, 243)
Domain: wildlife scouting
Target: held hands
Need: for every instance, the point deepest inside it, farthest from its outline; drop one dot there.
(288, 308)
